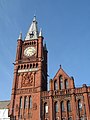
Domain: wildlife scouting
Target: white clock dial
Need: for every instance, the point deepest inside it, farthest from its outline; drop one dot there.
(29, 51)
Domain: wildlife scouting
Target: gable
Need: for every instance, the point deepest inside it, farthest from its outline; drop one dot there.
(61, 72)
(61, 81)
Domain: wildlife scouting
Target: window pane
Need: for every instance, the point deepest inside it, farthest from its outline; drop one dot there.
(46, 108)
(66, 84)
(62, 106)
(26, 102)
(69, 118)
(30, 102)
(55, 85)
(82, 118)
(79, 105)
(56, 107)
(68, 106)
(20, 102)
(61, 82)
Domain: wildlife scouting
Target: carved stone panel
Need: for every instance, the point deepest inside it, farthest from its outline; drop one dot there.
(27, 79)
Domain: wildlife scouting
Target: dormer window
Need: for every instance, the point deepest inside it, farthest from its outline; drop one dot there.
(31, 34)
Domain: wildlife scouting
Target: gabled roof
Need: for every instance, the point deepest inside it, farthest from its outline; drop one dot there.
(4, 104)
(61, 72)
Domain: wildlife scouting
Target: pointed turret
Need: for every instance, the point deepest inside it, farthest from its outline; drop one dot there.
(40, 33)
(33, 30)
(45, 47)
(20, 36)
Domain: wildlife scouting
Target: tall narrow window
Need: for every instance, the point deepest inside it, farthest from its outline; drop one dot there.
(82, 118)
(55, 85)
(61, 82)
(66, 84)
(25, 102)
(79, 105)
(20, 102)
(62, 106)
(56, 107)
(45, 108)
(70, 118)
(30, 102)
(68, 106)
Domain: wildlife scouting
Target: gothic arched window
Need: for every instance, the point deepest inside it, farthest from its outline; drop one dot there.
(79, 105)
(68, 106)
(62, 106)
(56, 107)
(25, 102)
(20, 102)
(30, 102)
(66, 84)
(82, 118)
(70, 118)
(55, 85)
(45, 108)
(61, 82)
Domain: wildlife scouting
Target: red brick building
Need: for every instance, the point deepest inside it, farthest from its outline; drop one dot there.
(30, 99)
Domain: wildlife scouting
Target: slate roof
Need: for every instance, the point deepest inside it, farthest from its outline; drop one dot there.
(4, 104)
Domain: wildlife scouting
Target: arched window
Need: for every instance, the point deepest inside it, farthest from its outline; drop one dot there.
(79, 105)
(55, 85)
(20, 102)
(68, 106)
(62, 106)
(70, 118)
(61, 82)
(82, 118)
(56, 107)
(57, 118)
(25, 102)
(45, 108)
(66, 84)
(30, 102)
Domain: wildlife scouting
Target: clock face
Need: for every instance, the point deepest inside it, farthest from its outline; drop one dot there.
(29, 51)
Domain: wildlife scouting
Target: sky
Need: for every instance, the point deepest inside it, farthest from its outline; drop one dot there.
(66, 31)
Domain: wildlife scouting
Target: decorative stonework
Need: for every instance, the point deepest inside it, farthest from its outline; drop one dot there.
(24, 91)
(34, 106)
(17, 108)
(27, 80)
(30, 115)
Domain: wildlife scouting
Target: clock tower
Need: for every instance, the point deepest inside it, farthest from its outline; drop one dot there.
(30, 75)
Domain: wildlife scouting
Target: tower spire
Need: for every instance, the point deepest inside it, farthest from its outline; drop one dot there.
(33, 30)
